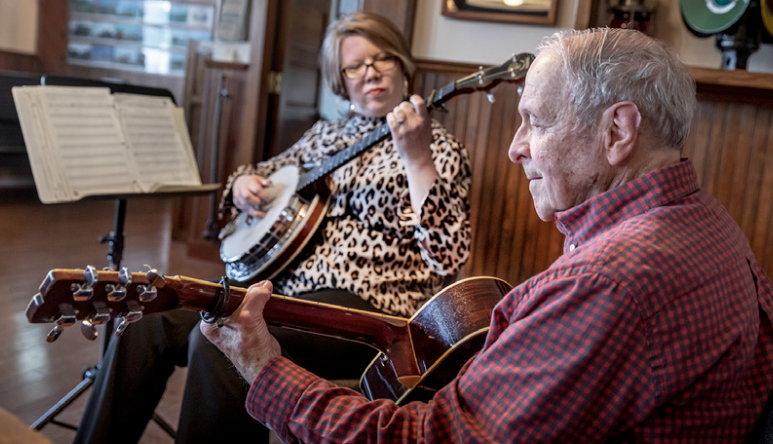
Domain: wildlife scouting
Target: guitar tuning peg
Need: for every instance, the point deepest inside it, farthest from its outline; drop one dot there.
(147, 294)
(116, 293)
(88, 330)
(53, 335)
(133, 315)
(443, 108)
(155, 279)
(65, 319)
(84, 291)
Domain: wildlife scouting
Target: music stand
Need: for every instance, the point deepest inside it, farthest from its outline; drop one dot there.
(115, 240)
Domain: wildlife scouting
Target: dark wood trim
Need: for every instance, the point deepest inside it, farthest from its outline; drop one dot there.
(736, 85)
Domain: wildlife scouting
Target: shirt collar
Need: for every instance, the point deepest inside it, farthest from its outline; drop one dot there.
(654, 189)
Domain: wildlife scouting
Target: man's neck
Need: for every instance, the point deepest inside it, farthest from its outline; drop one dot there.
(646, 161)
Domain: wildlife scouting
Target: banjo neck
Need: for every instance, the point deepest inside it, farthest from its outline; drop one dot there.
(514, 69)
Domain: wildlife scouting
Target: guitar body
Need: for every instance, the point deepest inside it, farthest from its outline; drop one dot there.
(446, 332)
(258, 249)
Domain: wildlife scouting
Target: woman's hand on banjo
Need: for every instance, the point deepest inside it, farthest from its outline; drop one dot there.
(411, 128)
(250, 195)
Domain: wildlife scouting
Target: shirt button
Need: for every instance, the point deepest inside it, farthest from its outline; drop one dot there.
(572, 247)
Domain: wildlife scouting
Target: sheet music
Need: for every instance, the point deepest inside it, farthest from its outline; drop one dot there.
(85, 141)
(157, 148)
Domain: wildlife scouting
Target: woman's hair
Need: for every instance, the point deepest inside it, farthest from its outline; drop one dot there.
(605, 66)
(380, 31)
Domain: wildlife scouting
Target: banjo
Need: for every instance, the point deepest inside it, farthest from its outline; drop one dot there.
(256, 249)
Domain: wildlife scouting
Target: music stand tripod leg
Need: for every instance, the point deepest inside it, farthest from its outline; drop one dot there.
(50, 416)
(114, 257)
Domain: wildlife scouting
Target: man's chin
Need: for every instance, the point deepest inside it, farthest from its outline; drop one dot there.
(545, 214)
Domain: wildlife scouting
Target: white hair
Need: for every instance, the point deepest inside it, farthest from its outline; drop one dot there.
(604, 66)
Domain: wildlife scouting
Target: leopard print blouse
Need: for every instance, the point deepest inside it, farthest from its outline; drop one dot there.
(370, 242)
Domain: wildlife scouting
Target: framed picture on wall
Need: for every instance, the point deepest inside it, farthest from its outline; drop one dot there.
(534, 12)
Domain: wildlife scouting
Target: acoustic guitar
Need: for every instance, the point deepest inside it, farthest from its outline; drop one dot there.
(256, 249)
(416, 356)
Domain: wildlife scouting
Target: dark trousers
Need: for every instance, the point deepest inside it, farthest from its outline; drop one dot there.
(135, 369)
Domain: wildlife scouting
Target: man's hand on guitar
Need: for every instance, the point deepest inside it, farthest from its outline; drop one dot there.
(250, 194)
(244, 337)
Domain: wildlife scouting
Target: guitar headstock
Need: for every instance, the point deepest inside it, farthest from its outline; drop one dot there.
(513, 69)
(93, 297)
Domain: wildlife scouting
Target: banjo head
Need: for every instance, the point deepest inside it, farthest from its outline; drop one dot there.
(250, 230)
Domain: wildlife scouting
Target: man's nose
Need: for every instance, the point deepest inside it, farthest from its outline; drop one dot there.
(519, 148)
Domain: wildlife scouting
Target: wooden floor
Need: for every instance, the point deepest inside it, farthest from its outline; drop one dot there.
(35, 238)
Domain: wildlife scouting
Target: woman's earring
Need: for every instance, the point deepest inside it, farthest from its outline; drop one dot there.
(344, 112)
(405, 88)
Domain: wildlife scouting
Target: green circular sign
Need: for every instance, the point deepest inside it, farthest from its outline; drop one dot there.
(712, 16)
(767, 15)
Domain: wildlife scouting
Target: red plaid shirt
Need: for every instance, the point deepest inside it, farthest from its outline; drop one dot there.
(654, 326)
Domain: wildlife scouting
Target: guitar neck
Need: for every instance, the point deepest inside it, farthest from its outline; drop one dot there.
(377, 330)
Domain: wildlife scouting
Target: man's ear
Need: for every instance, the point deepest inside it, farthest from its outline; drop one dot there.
(620, 123)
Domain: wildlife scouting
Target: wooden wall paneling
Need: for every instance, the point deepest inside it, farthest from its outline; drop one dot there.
(476, 137)
(699, 136)
(505, 206)
(488, 231)
(730, 145)
(761, 162)
(753, 181)
(509, 240)
(738, 152)
(762, 238)
(714, 147)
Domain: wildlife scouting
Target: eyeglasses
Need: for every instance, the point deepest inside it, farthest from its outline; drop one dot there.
(380, 64)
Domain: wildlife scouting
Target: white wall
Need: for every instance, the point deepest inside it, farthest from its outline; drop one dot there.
(438, 37)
